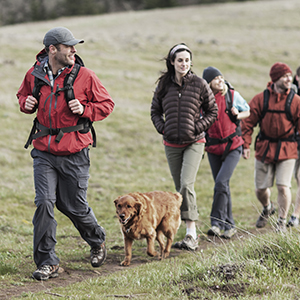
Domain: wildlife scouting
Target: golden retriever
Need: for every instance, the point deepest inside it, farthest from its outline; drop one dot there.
(149, 215)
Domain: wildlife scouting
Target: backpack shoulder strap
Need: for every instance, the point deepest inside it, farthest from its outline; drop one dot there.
(69, 81)
(38, 83)
(228, 99)
(229, 102)
(265, 104)
(288, 103)
(69, 95)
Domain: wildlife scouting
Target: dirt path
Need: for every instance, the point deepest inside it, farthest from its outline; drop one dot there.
(70, 276)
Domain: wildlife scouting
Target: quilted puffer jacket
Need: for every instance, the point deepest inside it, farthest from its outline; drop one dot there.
(185, 112)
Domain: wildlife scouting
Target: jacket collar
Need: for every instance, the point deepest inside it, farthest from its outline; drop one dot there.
(187, 77)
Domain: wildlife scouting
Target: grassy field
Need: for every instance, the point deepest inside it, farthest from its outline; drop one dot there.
(126, 50)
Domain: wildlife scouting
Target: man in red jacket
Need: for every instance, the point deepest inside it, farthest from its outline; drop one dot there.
(276, 146)
(61, 154)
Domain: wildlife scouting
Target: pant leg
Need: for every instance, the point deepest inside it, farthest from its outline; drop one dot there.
(175, 158)
(221, 213)
(72, 195)
(184, 164)
(44, 232)
(191, 161)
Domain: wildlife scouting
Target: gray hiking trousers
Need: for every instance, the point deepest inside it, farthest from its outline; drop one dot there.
(61, 181)
(184, 163)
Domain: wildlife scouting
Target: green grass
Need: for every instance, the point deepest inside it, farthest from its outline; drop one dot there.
(126, 50)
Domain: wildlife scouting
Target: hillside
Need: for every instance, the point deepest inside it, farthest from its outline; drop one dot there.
(126, 51)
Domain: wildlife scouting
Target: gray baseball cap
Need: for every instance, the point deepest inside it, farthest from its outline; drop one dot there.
(60, 35)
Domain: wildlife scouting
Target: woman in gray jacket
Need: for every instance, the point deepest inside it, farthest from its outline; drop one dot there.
(182, 109)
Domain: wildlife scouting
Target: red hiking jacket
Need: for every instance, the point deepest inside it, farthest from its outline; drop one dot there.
(53, 111)
(222, 128)
(274, 125)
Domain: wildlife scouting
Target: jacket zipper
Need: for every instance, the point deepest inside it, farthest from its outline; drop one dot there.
(50, 121)
(179, 104)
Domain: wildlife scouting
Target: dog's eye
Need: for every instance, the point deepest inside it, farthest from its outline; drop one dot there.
(119, 205)
(128, 206)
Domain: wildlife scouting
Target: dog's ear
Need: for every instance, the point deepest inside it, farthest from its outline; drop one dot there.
(138, 207)
(116, 201)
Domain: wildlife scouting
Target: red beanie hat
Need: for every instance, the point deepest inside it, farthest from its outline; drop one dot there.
(278, 70)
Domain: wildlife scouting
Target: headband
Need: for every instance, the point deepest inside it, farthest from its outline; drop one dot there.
(180, 46)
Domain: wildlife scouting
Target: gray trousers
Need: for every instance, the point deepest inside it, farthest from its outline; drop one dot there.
(61, 181)
(221, 212)
(184, 164)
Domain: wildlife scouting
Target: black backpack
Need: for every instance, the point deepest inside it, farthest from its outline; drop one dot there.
(83, 124)
(229, 101)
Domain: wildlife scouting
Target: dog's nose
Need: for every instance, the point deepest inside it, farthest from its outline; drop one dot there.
(122, 216)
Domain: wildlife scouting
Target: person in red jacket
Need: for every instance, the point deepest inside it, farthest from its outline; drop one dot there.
(276, 145)
(294, 219)
(61, 163)
(224, 148)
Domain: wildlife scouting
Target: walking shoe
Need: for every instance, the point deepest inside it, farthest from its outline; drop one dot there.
(293, 222)
(228, 234)
(45, 272)
(98, 255)
(263, 218)
(280, 227)
(214, 230)
(189, 243)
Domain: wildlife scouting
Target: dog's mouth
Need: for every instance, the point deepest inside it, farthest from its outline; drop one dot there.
(124, 222)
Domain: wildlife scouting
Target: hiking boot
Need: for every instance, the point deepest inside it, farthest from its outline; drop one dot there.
(293, 222)
(263, 218)
(189, 243)
(98, 255)
(280, 227)
(45, 272)
(214, 230)
(228, 234)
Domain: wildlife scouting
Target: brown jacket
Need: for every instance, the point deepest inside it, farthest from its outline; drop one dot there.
(274, 125)
(185, 112)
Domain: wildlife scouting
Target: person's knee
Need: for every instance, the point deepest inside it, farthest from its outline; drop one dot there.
(262, 194)
(44, 203)
(221, 187)
(283, 190)
(45, 209)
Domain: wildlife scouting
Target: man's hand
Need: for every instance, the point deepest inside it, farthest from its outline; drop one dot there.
(30, 103)
(246, 153)
(76, 107)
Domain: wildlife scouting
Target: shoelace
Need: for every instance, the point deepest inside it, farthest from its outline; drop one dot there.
(46, 268)
(96, 251)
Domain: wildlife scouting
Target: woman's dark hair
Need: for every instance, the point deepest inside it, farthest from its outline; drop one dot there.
(165, 79)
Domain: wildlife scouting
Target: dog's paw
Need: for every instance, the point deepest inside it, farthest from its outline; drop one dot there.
(152, 253)
(125, 263)
(166, 254)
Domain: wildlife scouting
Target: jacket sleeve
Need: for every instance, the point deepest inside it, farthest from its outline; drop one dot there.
(99, 103)
(25, 90)
(157, 115)
(209, 109)
(249, 123)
